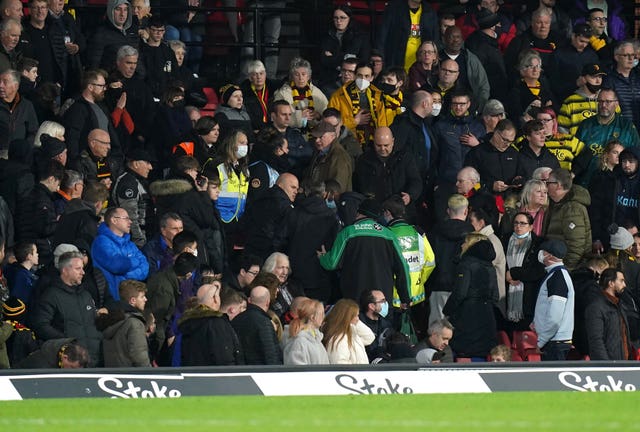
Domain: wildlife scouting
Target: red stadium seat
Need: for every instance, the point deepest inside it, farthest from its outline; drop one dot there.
(463, 360)
(525, 343)
(212, 101)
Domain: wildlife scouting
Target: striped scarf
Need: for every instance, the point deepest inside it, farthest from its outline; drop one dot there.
(263, 100)
(302, 94)
(364, 133)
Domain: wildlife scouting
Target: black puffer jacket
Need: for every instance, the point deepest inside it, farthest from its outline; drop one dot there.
(353, 42)
(64, 311)
(208, 339)
(257, 337)
(470, 306)
(606, 325)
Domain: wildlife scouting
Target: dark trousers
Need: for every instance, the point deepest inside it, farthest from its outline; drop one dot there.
(555, 350)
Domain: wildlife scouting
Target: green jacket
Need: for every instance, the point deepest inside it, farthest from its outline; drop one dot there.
(568, 220)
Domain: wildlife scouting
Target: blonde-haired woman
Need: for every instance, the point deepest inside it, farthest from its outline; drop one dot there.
(345, 336)
(50, 128)
(304, 346)
(470, 308)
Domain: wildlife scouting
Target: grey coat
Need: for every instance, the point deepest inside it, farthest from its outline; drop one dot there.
(305, 349)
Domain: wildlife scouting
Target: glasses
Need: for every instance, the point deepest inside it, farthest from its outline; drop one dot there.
(380, 301)
(157, 30)
(99, 85)
(107, 143)
(254, 273)
(600, 19)
(504, 140)
(607, 101)
(533, 67)
(545, 120)
(340, 18)
(449, 71)
(344, 71)
(520, 223)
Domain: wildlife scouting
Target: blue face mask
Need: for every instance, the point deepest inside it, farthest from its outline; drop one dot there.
(384, 310)
(331, 204)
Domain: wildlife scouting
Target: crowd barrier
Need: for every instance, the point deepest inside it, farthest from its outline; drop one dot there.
(293, 381)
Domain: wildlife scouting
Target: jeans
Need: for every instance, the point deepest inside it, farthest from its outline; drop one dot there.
(555, 351)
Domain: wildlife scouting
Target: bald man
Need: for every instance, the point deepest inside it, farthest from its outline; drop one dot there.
(95, 162)
(255, 330)
(383, 171)
(207, 336)
(11, 9)
(266, 215)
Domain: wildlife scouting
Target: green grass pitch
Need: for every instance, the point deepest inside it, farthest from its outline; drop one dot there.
(558, 411)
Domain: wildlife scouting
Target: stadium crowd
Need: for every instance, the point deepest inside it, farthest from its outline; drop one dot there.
(468, 173)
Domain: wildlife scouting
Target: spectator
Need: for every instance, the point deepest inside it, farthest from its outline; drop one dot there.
(534, 153)
(96, 163)
(474, 294)
(258, 94)
(124, 330)
(35, 214)
(75, 44)
(21, 275)
(65, 353)
(345, 336)
(248, 268)
(530, 90)
(374, 310)
(71, 187)
(111, 35)
(564, 147)
(18, 119)
(606, 322)
(22, 340)
(208, 339)
(232, 302)
(307, 101)
(202, 142)
(255, 331)
(435, 348)
(115, 254)
(67, 310)
(160, 64)
(423, 74)
(553, 321)
(500, 353)
(232, 115)
(159, 249)
(624, 78)
(304, 346)
(330, 160)
(269, 161)
(405, 25)
(10, 50)
(582, 103)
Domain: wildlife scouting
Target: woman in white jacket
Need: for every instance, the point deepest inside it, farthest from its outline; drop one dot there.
(304, 346)
(345, 336)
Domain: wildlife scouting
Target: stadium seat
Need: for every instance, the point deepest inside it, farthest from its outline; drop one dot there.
(503, 338)
(463, 359)
(212, 101)
(525, 343)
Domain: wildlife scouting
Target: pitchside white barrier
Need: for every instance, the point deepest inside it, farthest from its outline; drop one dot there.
(287, 381)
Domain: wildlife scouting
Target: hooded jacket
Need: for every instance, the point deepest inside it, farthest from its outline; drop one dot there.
(125, 339)
(118, 258)
(208, 339)
(108, 39)
(78, 225)
(568, 220)
(470, 306)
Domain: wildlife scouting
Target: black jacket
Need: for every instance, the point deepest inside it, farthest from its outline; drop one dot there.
(78, 225)
(264, 222)
(585, 283)
(528, 161)
(408, 132)
(47, 357)
(446, 239)
(198, 214)
(380, 179)
(257, 337)
(486, 49)
(520, 97)
(208, 339)
(18, 121)
(470, 306)
(353, 42)
(36, 220)
(493, 165)
(394, 32)
(65, 311)
(602, 189)
(607, 330)
(16, 180)
(302, 244)
(252, 104)
(105, 43)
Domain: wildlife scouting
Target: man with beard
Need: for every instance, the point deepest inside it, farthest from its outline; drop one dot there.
(88, 113)
(607, 327)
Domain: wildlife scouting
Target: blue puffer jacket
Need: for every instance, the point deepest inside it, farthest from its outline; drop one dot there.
(118, 258)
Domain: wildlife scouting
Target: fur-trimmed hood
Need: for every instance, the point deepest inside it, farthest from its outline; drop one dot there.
(189, 320)
(170, 187)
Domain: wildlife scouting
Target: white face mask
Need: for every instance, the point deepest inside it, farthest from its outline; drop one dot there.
(436, 109)
(635, 62)
(242, 151)
(362, 84)
(541, 257)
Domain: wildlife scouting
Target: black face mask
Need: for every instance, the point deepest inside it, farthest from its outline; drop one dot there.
(178, 104)
(593, 88)
(386, 88)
